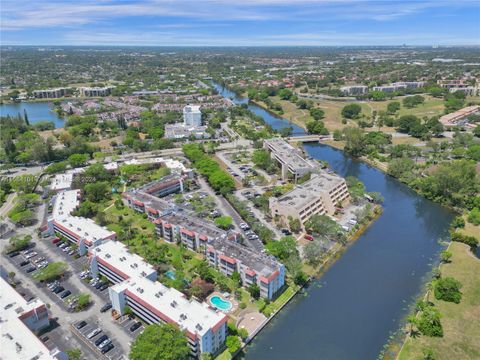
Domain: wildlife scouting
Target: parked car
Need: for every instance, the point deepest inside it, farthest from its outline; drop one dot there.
(30, 255)
(99, 285)
(103, 287)
(13, 254)
(81, 324)
(39, 260)
(107, 348)
(58, 290)
(105, 307)
(44, 339)
(31, 269)
(308, 237)
(135, 326)
(63, 245)
(93, 333)
(101, 339)
(71, 252)
(56, 240)
(58, 244)
(65, 294)
(104, 343)
(24, 262)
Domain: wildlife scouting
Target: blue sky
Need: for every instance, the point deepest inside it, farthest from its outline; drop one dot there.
(240, 23)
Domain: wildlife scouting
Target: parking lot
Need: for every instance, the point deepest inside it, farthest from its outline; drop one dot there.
(91, 333)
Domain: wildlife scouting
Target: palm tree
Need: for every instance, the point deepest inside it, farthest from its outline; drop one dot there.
(412, 320)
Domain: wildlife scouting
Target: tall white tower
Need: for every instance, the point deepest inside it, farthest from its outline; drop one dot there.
(192, 116)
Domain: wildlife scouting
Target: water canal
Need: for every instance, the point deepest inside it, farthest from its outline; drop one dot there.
(350, 312)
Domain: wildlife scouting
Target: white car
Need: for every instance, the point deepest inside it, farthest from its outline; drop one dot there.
(104, 343)
(93, 333)
(32, 254)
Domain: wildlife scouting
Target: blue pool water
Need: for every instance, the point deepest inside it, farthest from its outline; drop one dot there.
(220, 303)
(170, 274)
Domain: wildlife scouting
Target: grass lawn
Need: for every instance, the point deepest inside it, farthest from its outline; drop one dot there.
(461, 322)
(281, 300)
(224, 355)
(144, 226)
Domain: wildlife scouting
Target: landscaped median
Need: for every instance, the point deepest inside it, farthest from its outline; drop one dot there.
(460, 322)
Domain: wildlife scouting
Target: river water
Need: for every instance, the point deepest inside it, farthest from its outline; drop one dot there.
(36, 112)
(350, 312)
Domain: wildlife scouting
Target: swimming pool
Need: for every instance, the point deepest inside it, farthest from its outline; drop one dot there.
(220, 303)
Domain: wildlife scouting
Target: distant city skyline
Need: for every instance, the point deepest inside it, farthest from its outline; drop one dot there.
(245, 23)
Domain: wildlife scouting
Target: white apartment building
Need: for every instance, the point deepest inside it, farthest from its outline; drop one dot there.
(50, 93)
(289, 157)
(319, 195)
(81, 231)
(19, 320)
(354, 90)
(113, 260)
(153, 302)
(192, 116)
(96, 91)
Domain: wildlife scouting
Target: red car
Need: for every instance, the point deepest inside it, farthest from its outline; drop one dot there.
(308, 237)
(56, 240)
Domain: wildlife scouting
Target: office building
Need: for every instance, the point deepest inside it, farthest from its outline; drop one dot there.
(19, 321)
(319, 195)
(289, 157)
(113, 260)
(192, 116)
(154, 303)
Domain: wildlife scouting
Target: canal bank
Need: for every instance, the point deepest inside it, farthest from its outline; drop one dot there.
(361, 300)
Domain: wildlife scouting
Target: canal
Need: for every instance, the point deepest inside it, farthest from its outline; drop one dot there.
(36, 112)
(350, 312)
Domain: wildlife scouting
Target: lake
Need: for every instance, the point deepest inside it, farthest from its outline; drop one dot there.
(36, 112)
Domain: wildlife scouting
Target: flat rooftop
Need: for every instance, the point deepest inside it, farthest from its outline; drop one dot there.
(469, 110)
(303, 194)
(61, 182)
(117, 255)
(17, 341)
(190, 315)
(85, 228)
(263, 264)
(288, 154)
(65, 203)
(193, 223)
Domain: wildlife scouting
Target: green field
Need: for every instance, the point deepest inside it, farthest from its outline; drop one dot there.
(461, 322)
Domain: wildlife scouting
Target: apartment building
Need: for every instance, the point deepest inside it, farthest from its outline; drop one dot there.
(50, 93)
(113, 260)
(169, 184)
(253, 267)
(469, 90)
(354, 90)
(459, 117)
(154, 303)
(96, 91)
(319, 195)
(178, 225)
(448, 84)
(192, 116)
(290, 158)
(20, 320)
(399, 86)
(83, 232)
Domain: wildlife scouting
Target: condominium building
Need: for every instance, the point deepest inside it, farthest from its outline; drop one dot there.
(469, 90)
(253, 267)
(177, 225)
(20, 320)
(83, 232)
(168, 184)
(399, 86)
(448, 84)
(113, 260)
(154, 303)
(354, 90)
(289, 157)
(459, 117)
(50, 93)
(96, 91)
(319, 195)
(192, 116)
(181, 131)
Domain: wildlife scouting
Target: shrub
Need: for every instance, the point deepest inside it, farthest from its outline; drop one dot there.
(448, 289)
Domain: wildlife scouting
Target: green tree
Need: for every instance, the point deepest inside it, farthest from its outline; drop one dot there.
(164, 342)
(283, 248)
(317, 113)
(474, 216)
(223, 222)
(351, 111)
(254, 291)
(393, 107)
(313, 252)
(448, 289)
(97, 192)
(429, 322)
(354, 141)
(261, 158)
(233, 344)
(446, 256)
(77, 160)
(294, 224)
